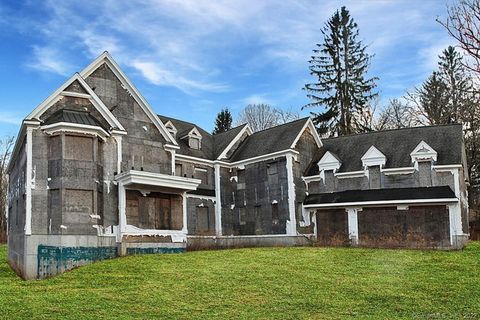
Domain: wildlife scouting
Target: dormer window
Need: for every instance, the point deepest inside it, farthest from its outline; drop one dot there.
(423, 152)
(329, 161)
(193, 138)
(373, 157)
(171, 128)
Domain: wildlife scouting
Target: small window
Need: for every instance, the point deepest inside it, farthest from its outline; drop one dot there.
(178, 169)
(242, 216)
(194, 143)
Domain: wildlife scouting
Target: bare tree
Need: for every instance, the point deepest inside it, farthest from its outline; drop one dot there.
(6, 145)
(463, 24)
(263, 116)
(397, 114)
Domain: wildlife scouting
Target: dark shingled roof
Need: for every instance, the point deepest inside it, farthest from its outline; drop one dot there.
(72, 116)
(443, 192)
(396, 145)
(270, 140)
(212, 145)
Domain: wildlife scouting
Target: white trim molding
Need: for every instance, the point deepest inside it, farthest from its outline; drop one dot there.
(423, 152)
(68, 127)
(218, 202)
(351, 174)
(308, 124)
(352, 218)
(381, 203)
(328, 162)
(29, 184)
(246, 129)
(373, 157)
(292, 222)
(157, 179)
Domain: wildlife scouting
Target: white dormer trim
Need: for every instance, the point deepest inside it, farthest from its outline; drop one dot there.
(171, 128)
(423, 152)
(246, 129)
(90, 95)
(373, 157)
(108, 60)
(328, 162)
(193, 133)
(313, 130)
(82, 129)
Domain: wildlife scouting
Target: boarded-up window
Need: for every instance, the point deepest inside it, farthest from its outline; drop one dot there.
(202, 174)
(194, 143)
(79, 148)
(203, 219)
(55, 147)
(178, 170)
(242, 216)
(78, 206)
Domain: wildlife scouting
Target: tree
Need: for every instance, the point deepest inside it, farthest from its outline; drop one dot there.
(459, 84)
(340, 66)
(396, 115)
(463, 24)
(431, 99)
(223, 122)
(263, 116)
(6, 145)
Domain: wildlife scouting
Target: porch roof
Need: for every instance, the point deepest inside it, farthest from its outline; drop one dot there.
(135, 177)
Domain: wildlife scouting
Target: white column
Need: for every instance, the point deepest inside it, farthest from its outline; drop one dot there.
(118, 140)
(185, 226)
(122, 214)
(173, 162)
(218, 202)
(455, 221)
(292, 223)
(353, 224)
(28, 183)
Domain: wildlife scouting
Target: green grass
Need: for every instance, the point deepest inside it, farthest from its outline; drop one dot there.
(280, 283)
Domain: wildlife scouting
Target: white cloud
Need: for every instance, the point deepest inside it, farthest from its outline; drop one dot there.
(48, 59)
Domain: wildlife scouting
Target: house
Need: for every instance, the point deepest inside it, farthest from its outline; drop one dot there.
(95, 173)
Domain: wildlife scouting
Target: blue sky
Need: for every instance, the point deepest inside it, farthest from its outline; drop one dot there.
(190, 58)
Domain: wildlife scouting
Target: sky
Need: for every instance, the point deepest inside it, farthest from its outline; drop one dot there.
(191, 58)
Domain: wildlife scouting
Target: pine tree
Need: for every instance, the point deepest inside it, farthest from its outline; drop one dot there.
(455, 77)
(223, 122)
(433, 98)
(340, 66)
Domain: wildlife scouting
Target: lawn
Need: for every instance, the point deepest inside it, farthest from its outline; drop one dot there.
(270, 283)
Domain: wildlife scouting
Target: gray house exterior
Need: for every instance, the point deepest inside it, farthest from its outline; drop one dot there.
(97, 174)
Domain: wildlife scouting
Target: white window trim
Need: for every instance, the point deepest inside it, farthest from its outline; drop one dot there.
(423, 152)
(373, 157)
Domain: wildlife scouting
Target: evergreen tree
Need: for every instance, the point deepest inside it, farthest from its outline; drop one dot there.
(223, 122)
(433, 99)
(340, 65)
(455, 77)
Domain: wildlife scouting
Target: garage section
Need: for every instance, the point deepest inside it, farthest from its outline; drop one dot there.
(416, 226)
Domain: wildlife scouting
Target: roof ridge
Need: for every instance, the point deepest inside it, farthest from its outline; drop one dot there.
(283, 124)
(217, 134)
(391, 130)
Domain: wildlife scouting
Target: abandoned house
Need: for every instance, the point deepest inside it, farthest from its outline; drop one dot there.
(96, 174)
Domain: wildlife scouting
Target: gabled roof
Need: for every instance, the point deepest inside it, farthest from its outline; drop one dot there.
(224, 141)
(271, 140)
(90, 95)
(396, 145)
(110, 62)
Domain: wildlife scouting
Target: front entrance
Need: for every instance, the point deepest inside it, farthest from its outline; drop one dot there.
(154, 210)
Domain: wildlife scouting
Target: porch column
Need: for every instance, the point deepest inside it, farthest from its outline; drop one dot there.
(455, 222)
(292, 222)
(218, 202)
(353, 224)
(122, 214)
(185, 226)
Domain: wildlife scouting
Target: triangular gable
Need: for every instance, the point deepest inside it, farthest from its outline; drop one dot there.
(224, 153)
(329, 162)
(373, 157)
(313, 130)
(423, 152)
(90, 95)
(192, 132)
(108, 60)
(170, 126)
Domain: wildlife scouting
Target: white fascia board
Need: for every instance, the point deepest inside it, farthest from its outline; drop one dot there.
(401, 170)
(157, 179)
(380, 203)
(312, 178)
(310, 125)
(423, 152)
(171, 147)
(105, 57)
(76, 94)
(223, 155)
(75, 128)
(182, 157)
(20, 139)
(351, 174)
(373, 157)
(264, 157)
(197, 196)
(446, 167)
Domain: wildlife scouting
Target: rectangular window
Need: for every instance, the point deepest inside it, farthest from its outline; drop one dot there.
(194, 143)
(79, 148)
(202, 174)
(242, 216)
